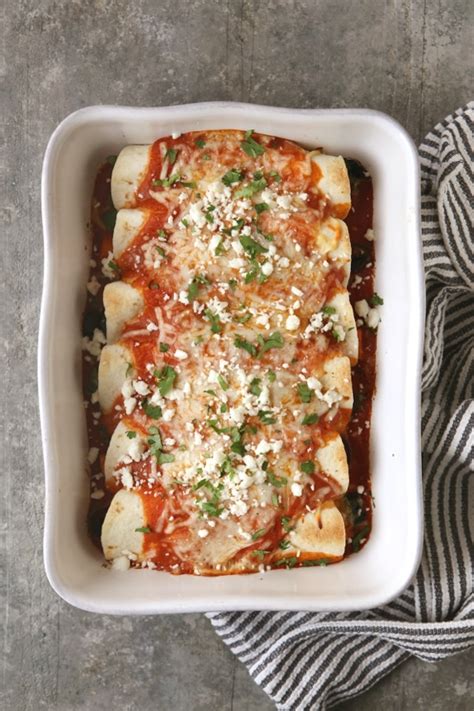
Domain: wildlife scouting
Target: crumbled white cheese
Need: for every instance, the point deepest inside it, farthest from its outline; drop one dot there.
(93, 286)
(92, 455)
(180, 355)
(292, 323)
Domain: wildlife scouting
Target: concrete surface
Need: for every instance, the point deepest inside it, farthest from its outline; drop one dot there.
(412, 59)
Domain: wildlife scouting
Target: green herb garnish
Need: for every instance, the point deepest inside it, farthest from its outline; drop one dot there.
(376, 300)
(310, 419)
(240, 342)
(266, 417)
(131, 434)
(232, 176)
(166, 377)
(164, 347)
(251, 246)
(171, 154)
(274, 480)
(250, 145)
(305, 393)
(258, 534)
(307, 467)
(143, 529)
(153, 411)
(223, 383)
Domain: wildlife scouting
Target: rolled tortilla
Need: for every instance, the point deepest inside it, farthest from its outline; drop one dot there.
(119, 536)
(337, 376)
(334, 244)
(128, 225)
(122, 445)
(350, 345)
(116, 364)
(129, 171)
(318, 534)
(334, 182)
(332, 460)
(122, 302)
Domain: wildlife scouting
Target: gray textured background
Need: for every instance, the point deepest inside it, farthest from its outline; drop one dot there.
(410, 59)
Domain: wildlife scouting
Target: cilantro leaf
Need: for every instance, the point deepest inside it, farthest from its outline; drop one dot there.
(274, 340)
(250, 145)
(251, 246)
(277, 481)
(307, 467)
(305, 393)
(166, 376)
(376, 300)
(232, 176)
(240, 342)
(310, 419)
(171, 154)
(153, 411)
(266, 417)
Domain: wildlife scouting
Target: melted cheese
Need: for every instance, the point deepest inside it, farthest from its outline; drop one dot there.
(230, 419)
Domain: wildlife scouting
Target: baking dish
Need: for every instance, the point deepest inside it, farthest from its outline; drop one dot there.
(385, 566)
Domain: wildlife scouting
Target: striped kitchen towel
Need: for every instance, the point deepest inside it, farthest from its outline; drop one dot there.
(314, 660)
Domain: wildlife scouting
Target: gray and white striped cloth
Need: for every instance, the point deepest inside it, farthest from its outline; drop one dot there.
(315, 660)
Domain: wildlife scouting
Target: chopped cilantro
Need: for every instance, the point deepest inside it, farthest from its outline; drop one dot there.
(240, 342)
(251, 246)
(215, 321)
(261, 207)
(274, 340)
(166, 182)
(310, 419)
(154, 440)
(284, 545)
(171, 154)
(164, 458)
(131, 434)
(232, 176)
(376, 300)
(258, 534)
(285, 522)
(200, 143)
(260, 553)
(114, 266)
(274, 480)
(305, 393)
(255, 387)
(266, 417)
(307, 467)
(164, 347)
(232, 283)
(271, 375)
(328, 310)
(287, 562)
(247, 191)
(250, 146)
(276, 176)
(211, 508)
(223, 383)
(143, 529)
(153, 411)
(166, 377)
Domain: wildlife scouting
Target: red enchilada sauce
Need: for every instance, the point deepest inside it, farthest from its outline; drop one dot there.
(356, 504)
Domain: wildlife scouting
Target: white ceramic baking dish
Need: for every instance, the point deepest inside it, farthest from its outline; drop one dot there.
(388, 562)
